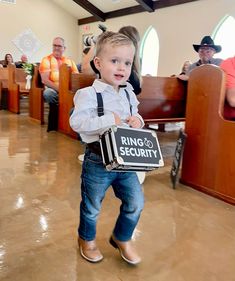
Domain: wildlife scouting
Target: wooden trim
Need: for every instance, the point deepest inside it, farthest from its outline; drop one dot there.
(168, 3)
(209, 191)
(164, 120)
(145, 6)
(98, 14)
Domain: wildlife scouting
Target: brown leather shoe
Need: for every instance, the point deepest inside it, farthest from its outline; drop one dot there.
(89, 250)
(126, 249)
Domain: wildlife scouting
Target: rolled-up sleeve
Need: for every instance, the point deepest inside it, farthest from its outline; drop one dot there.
(84, 119)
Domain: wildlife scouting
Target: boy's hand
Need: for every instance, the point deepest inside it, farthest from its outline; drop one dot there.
(134, 122)
(117, 119)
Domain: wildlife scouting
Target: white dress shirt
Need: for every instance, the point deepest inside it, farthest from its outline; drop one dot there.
(85, 120)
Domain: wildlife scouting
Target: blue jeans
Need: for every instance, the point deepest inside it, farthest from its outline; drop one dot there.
(95, 182)
(50, 95)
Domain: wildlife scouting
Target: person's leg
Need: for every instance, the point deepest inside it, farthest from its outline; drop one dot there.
(51, 97)
(95, 182)
(128, 189)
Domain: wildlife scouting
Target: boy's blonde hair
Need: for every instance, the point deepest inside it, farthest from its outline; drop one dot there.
(112, 39)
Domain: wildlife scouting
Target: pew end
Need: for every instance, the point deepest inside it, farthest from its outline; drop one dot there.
(36, 101)
(16, 88)
(69, 83)
(4, 76)
(209, 152)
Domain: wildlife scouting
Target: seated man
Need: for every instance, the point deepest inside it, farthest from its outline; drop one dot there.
(23, 59)
(49, 70)
(206, 51)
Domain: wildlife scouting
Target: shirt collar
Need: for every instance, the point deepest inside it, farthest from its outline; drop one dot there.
(101, 86)
(52, 56)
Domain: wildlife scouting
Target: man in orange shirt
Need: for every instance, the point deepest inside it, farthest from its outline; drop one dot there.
(49, 70)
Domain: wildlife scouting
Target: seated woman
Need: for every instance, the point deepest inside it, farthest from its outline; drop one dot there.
(7, 60)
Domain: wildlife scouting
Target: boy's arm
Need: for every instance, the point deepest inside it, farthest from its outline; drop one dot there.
(84, 118)
(134, 102)
(134, 122)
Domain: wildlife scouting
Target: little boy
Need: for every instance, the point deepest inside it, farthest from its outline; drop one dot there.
(114, 57)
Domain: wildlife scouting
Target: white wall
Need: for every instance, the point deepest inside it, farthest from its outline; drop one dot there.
(46, 19)
(178, 28)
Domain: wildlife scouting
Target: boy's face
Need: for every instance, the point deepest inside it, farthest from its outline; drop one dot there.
(114, 64)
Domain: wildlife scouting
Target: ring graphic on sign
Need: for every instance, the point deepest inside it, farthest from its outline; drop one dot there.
(129, 149)
(148, 143)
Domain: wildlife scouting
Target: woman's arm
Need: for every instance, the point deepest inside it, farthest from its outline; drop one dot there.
(86, 67)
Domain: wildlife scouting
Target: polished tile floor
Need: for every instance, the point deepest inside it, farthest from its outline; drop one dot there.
(183, 235)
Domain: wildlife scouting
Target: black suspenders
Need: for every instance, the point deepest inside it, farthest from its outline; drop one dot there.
(128, 97)
(100, 108)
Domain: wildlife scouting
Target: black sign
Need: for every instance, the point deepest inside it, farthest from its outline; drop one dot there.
(138, 146)
(177, 157)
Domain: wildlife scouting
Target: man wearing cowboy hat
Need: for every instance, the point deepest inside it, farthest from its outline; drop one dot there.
(206, 51)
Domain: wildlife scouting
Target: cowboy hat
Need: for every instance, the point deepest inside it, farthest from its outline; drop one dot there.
(207, 41)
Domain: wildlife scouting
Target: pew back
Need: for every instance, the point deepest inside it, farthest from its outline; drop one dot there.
(4, 87)
(68, 85)
(4, 76)
(162, 99)
(209, 153)
(16, 87)
(36, 101)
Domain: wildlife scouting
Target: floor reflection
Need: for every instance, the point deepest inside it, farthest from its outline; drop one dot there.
(182, 234)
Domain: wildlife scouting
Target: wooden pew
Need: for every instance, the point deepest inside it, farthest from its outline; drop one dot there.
(16, 88)
(162, 100)
(36, 101)
(209, 153)
(4, 76)
(68, 85)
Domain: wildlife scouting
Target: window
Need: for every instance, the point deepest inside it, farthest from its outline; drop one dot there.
(9, 1)
(223, 35)
(149, 52)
